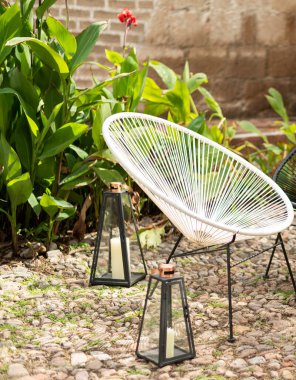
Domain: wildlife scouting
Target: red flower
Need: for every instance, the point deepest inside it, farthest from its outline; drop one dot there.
(126, 16)
(132, 20)
(121, 17)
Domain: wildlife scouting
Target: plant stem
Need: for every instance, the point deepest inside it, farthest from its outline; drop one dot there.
(58, 174)
(124, 40)
(13, 229)
(49, 232)
(67, 14)
(193, 106)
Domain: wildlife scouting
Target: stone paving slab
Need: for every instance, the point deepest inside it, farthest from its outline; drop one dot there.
(54, 326)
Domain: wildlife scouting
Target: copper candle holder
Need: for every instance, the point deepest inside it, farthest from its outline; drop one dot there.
(166, 270)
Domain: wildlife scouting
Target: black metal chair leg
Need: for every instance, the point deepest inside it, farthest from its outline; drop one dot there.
(174, 249)
(231, 338)
(288, 263)
(271, 257)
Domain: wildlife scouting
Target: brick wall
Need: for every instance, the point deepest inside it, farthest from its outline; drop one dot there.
(245, 47)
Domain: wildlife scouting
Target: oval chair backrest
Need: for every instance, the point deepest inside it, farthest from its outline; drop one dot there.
(191, 178)
(285, 176)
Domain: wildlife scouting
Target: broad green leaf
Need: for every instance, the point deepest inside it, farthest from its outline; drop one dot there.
(27, 8)
(33, 202)
(80, 152)
(155, 109)
(211, 102)
(124, 87)
(231, 131)
(6, 112)
(186, 72)
(275, 99)
(9, 160)
(27, 108)
(180, 98)
(52, 205)
(23, 142)
(63, 36)
(65, 214)
(196, 81)
(23, 54)
(251, 128)
(77, 183)
(203, 129)
(81, 171)
(216, 134)
(86, 41)
(43, 7)
(273, 148)
(24, 88)
(48, 123)
(153, 93)
(106, 154)
(139, 88)
(114, 57)
(197, 124)
(19, 189)
(167, 75)
(45, 172)
(151, 238)
(62, 138)
(290, 132)
(95, 93)
(103, 111)
(108, 175)
(33, 126)
(44, 52)
(10, 23)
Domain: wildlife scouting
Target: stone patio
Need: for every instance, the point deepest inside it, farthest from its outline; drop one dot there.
(54, 326)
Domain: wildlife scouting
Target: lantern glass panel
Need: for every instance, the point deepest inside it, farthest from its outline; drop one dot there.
(110, 230)
(177, 334)
(134, 252)
(149, 339)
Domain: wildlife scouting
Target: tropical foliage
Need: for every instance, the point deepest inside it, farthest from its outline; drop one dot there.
(268, 155)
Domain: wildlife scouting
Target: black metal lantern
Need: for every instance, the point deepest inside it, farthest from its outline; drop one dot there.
(165, 333)
(118, 257)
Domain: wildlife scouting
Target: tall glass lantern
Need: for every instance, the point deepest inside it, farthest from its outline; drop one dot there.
(118, 257)
(165, 335)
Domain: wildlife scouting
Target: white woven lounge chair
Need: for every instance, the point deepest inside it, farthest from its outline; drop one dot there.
(210, 194)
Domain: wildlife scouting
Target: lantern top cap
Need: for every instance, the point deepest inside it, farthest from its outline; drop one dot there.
(116, 187)
(166, 270)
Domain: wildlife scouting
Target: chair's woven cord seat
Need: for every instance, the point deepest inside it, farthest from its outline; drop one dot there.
(207, 191)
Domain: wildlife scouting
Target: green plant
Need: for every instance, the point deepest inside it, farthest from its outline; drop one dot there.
(270, 155)
(176, 101)
(216, 304)
(3, 368)
(43, 114)
(217, 353)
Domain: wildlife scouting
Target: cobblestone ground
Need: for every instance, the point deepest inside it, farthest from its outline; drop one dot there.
(54, 326)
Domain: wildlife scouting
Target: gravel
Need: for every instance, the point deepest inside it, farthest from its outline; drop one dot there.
(54, 326)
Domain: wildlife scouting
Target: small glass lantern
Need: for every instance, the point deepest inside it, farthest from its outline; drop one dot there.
(165, 333)
(118, 257)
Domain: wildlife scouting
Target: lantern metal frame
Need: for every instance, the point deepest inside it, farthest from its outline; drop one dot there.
(165, 310)
(129, 278)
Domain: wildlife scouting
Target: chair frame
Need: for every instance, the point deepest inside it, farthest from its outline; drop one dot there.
(234, 233)
(228, 248)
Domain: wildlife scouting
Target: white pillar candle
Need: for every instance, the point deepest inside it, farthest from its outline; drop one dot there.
(170, 342)
(116, 257)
